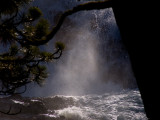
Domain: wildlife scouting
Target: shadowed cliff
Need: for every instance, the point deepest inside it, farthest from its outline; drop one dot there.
(137, 24)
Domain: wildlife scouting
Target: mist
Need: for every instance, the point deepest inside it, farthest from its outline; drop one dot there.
(94, 61)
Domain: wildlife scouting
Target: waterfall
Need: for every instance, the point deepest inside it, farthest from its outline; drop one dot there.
(92, 80)
(94, 61)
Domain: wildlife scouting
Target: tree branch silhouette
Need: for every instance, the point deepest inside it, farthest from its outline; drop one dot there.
(82, 7)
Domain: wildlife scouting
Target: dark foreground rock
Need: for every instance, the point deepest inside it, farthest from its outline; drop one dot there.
(33, 108)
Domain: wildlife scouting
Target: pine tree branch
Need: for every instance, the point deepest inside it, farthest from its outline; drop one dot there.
(87, 6)
(12, 18)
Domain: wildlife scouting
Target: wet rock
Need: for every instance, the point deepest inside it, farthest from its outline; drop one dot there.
(37, 107)
(57, 102)
(34, 108)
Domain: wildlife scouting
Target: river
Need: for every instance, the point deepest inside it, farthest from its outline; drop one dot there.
(121, 105)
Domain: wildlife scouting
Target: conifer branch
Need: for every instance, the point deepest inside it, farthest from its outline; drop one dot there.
(82, 7)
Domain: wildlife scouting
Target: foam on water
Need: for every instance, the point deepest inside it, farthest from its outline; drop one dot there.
(122, 105)
(125, 105)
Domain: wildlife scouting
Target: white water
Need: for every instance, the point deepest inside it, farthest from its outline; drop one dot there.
(124, 105)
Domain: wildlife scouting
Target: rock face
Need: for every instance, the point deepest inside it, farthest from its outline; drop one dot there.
(137, 23)
(55, 103)
(33, 108)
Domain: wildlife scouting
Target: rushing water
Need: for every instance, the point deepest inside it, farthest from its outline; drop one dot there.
(122, 105)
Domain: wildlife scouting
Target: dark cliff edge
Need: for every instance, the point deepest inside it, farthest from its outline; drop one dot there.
(138, 23)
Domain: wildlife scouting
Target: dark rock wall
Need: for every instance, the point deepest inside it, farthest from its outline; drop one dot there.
(138, 26)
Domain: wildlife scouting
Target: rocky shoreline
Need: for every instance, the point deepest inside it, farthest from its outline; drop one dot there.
(34, 108)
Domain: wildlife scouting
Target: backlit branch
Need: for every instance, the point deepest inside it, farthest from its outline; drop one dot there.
(18, 69)
(87, 6)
